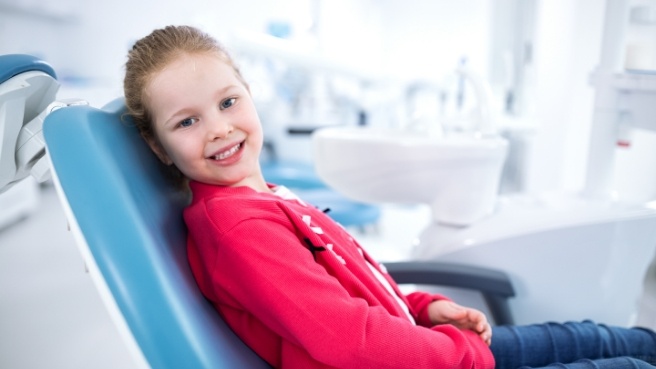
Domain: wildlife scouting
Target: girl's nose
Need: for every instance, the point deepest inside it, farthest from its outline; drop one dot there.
(219, 127)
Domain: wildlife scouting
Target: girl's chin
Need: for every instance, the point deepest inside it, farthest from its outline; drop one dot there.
(241, 181)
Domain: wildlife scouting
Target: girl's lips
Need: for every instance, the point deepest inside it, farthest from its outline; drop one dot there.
(224, 154)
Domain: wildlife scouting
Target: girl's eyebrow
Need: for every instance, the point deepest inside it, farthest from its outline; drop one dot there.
(227, 88)
(173, 119)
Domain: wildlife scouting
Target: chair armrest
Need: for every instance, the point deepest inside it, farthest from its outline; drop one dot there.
(494, 285)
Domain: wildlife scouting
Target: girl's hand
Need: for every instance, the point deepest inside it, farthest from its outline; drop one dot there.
(448, 312)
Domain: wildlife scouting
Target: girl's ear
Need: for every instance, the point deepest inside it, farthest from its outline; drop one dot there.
(157, 149)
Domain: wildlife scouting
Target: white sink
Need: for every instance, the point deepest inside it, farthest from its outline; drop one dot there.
(458, 175)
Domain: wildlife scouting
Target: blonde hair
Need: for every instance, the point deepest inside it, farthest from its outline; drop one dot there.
(153, 53)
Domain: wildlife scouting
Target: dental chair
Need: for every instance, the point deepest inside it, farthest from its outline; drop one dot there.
(127, 221)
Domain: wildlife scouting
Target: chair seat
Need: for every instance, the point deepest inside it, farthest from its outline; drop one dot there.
(302, 179)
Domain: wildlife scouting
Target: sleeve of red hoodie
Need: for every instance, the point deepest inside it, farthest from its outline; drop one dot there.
(260, 267)
(418, 303)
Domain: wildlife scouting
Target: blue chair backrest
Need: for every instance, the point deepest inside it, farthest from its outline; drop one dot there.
(131, 219)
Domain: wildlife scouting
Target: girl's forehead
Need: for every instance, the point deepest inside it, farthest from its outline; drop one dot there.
(186, 81)
(191, 62)
(185, 67)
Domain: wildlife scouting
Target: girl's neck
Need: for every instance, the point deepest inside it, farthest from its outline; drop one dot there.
(258, 184)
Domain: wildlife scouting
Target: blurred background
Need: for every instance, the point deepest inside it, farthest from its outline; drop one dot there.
(313, 62)
(310, 63)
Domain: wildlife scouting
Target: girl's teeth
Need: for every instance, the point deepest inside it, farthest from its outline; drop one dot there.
(228, 153)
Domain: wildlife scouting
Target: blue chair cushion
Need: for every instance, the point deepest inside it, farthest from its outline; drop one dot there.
(14, 64)
(302, 179)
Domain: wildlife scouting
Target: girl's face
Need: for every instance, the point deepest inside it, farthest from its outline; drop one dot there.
(205, 122)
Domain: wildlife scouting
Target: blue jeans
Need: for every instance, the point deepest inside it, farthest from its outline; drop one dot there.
(584, 345)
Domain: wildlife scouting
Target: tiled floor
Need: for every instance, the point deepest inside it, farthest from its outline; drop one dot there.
(50, 313)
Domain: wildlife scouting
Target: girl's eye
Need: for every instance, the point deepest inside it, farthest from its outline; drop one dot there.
(225, 104)
(187, 122)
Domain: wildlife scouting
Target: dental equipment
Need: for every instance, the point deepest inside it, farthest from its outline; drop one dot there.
(28, 87)
(571, 256)
(27, 92)
(457, 174)
(599, 249)
(624, 100)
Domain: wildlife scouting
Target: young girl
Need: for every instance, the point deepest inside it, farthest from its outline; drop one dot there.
(293, 284)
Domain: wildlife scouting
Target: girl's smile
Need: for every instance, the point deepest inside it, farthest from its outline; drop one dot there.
(229, 156)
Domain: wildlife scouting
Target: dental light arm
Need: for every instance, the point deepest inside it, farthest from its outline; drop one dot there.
(28, 87)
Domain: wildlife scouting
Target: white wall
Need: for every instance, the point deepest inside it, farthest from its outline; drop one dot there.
(428, 38)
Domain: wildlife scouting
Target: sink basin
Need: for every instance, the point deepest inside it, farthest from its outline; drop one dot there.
(458, 175)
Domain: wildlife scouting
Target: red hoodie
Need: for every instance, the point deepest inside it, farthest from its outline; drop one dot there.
(297, 289)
